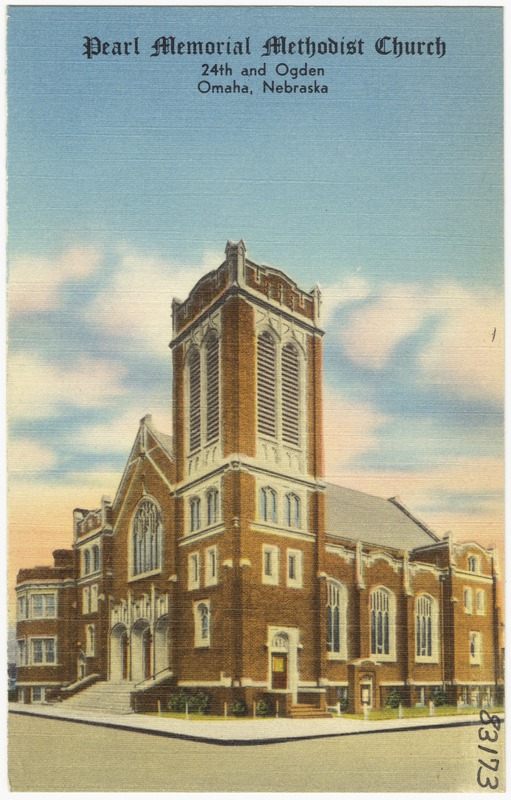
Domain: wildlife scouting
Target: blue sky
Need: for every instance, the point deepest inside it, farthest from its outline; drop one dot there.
(125, 183)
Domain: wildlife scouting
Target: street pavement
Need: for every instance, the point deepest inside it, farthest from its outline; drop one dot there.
(50, 754)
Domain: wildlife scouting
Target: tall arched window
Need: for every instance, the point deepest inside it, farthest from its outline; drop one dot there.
(266, 385)
(86, 562)
(147, 538)
(204, 615)
(293, 519)
(480, 601)
(212, 389)
(194, 394)
(476, 649)
(95, 557)
(268, 504)
(212, 501)
(426, 628)
(91, 641)
(202, 624)
(290, 395)
(336, 619)
(195, 514)
(382, 623)
(473, 564)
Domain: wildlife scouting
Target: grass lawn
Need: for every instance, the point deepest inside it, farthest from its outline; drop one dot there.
(195, 717)
(383, 713)
(420, 711)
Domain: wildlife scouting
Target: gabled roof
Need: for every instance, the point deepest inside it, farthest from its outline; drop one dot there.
(349, 514)
(363, 517)
(146, 431)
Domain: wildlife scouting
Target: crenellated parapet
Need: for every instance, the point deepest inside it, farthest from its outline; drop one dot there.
(202, 296)
(238, 273)
(87, 522)
(274, 285)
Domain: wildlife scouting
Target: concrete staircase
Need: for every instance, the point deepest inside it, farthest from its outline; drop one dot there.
(308, 711)
(103, 697)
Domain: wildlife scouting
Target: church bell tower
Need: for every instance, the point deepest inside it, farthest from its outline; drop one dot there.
(247, 436)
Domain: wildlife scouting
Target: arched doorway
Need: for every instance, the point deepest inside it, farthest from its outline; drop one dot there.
(161, 645)
(125, 661)
(366, 691)
(283, 660)
(141, 646)
(119, 653)
(279, 661)
(146, 653)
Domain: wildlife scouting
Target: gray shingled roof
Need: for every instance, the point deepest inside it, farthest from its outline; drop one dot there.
(166, 442)
(362, 517)
(164, 439)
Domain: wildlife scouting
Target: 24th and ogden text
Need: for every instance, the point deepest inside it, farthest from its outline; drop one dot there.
(211, 73)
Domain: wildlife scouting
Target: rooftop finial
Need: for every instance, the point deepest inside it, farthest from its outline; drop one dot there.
(235, 247)
(235, 257)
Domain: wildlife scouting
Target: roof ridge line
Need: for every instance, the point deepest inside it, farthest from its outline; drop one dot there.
(399, 504)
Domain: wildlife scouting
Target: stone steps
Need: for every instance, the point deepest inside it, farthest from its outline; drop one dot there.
(307, 711)
(103, 697)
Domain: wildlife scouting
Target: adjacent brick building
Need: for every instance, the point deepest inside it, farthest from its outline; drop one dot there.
(226, 563)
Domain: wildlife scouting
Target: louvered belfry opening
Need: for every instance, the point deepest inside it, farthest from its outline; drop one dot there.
(212, 390)
(195, 401)
(290, 395)
(266, 385)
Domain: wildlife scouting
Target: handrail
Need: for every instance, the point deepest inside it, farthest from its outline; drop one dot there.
(92, 678)
(152, 677)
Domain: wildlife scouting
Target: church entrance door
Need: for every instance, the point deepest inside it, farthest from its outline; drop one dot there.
(124, 656)
(279, 670)
(119, 653)
(146, 653)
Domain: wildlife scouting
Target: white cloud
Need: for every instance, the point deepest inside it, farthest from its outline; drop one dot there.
(136, 304)
(26, 455)
(482, 476)
(38, 389)
(465, 353)
(347, 290)
(370, 334)
(35, 282)
(350, 429)
(118, 435)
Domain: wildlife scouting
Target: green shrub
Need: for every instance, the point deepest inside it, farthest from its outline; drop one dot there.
(344, 704)
(263, 709)
(393, 699)
(239, 708)
(199, 702)
(438, 696)
(177, 701)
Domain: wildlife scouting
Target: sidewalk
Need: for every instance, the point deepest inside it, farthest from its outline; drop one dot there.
(241, 732)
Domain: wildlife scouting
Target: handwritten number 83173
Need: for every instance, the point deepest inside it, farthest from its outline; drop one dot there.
(488, 735)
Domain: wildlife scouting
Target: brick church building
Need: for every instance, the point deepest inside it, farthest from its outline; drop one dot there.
(225, 563)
